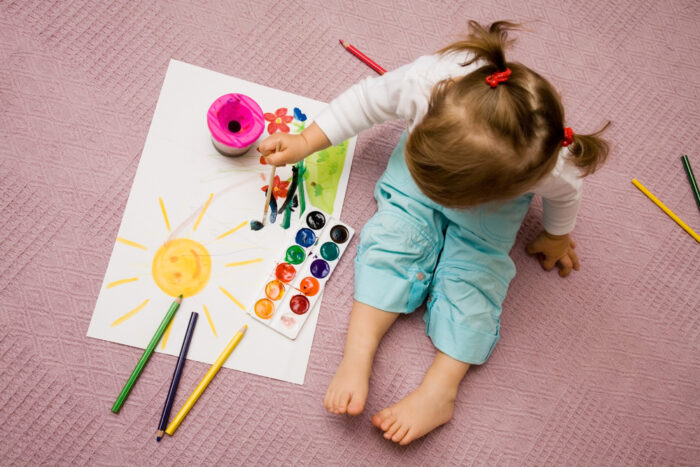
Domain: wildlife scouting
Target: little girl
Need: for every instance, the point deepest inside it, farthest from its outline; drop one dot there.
(483, 136)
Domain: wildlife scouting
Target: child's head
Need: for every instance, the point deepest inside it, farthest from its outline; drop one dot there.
(479, 143)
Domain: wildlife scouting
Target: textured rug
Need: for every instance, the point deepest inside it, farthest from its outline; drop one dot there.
(601, 368)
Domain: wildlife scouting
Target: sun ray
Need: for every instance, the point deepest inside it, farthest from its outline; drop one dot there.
(165, 214)
(130, 243)
(166, 334)
(123, 318)
(211, 323)
(242, 224)
(228, 294)
(120, 282)
(243, 263)
(201, 214)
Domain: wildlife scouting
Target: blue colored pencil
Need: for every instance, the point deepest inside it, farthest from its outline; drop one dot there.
(176, 376)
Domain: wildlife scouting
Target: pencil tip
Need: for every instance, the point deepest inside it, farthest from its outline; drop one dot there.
(159, 435)
(343, 43)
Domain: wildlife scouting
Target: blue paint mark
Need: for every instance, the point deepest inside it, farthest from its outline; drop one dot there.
(299, 115)
(273, 209)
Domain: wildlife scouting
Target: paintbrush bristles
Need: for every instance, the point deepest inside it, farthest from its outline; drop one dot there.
(270, 182)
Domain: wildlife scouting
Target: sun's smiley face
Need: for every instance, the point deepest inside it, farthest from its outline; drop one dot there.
(181, 266)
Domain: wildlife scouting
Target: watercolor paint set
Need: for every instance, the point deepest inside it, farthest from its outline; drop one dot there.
(306, 263)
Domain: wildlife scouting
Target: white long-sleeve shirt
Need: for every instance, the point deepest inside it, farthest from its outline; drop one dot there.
(404, 93)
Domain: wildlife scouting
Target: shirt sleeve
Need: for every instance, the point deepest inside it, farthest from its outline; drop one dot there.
(561, 193)
(403, 93)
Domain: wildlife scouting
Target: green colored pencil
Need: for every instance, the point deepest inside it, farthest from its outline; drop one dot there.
(146, 355)
(691, 179)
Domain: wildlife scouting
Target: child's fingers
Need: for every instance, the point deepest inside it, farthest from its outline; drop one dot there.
(532, 248)
(279, 158)
(548, 262)
(269, 145)
(565, 265)
(574, 259)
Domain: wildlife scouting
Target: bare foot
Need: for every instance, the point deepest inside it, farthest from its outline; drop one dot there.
(347, 392)
(423, 410)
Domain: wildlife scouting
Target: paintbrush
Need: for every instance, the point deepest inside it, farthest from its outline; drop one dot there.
(255, 225)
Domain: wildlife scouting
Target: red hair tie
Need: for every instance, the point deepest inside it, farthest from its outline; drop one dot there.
(498, 77)
(568, 137)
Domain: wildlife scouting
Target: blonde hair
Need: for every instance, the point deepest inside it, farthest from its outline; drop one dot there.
(477, 143)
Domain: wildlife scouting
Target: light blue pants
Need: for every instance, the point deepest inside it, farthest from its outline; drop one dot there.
(413, 248)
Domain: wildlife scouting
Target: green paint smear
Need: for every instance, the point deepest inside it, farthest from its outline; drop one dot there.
(286, 220)
(302, 197)
(323, 172)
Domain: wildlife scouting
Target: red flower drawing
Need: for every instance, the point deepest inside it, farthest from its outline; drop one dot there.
(279, 188)
(278, 121)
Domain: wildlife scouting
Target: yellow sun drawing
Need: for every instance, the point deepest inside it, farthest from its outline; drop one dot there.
(181, 266)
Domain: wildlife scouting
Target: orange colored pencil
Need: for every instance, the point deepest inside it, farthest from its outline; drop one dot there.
(350, 48)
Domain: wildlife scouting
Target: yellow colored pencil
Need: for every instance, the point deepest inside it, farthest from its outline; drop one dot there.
(663, 207)
(205, 381)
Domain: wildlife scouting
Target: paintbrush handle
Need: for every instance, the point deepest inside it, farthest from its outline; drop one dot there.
(270, 182)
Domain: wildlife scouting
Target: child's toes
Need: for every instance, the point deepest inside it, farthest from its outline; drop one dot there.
(400, 433)
(380, 418)
(389, 432)
(341, 402)
(410, 436)
(356, 405)
(386, 424)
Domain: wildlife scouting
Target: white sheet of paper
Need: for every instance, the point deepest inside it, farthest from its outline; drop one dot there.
(180, 166)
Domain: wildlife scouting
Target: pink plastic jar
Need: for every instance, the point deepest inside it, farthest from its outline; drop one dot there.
(236, 122)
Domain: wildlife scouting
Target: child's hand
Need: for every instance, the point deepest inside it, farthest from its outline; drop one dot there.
(293, 148)
(555, 250)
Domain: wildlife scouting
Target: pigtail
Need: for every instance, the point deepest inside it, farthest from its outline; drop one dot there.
(516, 122)
(488, 44)
(590, 151)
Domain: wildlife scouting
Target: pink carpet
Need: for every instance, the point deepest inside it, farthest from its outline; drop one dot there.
(602, 368)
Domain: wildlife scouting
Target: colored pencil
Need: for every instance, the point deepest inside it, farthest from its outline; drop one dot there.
(146, 355)
(176, 376)
(691, 179)
(205, 381)
(368, 61)
(663, 207)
